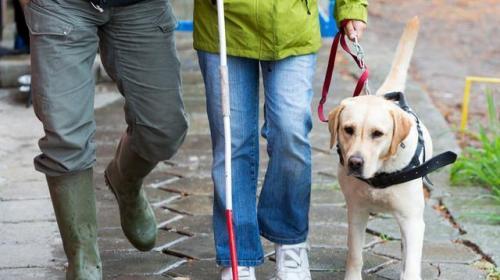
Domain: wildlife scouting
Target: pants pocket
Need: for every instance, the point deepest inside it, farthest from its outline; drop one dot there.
(42, 20)
(167, 21)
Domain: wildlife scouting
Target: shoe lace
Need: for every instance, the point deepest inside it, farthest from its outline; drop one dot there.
(291, 257)
(244, 272)
(292, 262)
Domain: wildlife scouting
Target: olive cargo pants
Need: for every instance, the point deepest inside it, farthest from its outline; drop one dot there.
(137, 49)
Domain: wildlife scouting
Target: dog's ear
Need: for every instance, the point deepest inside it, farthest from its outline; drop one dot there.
(333, 124)
(402, 126)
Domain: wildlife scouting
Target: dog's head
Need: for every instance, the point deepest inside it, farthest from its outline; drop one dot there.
(369, 130)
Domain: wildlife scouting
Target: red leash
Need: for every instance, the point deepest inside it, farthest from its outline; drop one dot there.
(340, 38)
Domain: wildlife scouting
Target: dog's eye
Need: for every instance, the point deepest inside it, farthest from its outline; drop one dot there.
(377, 134)
(349, 130)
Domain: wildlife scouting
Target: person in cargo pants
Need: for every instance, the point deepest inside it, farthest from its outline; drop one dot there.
(137, 48)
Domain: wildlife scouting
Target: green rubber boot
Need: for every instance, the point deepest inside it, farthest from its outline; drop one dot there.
(124, 176)
(73, 199)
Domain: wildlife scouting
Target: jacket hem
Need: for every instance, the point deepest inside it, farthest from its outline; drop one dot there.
(266, 56)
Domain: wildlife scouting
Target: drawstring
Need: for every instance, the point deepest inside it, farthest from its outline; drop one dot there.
(97, 5)
(307, 7)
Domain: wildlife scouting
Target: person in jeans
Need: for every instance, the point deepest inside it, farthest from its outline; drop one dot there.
(278, 39)
(137, 48)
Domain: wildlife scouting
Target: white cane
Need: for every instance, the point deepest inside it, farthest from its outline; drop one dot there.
(227, 137)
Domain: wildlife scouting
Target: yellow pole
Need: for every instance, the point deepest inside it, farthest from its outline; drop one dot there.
(465, 104)
(484, 79)
(466, 98)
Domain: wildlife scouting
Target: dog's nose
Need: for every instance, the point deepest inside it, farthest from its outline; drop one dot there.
(356, 163)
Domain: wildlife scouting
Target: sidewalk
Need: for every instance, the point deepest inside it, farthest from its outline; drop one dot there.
(181, 191)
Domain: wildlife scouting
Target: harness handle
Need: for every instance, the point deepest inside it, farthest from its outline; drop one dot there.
(340, 38)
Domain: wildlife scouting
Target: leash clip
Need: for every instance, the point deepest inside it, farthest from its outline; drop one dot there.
(360, 55)
(367, 88)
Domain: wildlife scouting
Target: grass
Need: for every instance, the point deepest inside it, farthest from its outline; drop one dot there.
(384, 237)
(481, 165)
(493, 274)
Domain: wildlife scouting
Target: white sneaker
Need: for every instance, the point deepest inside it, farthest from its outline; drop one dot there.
(244, 273)
(292, 262)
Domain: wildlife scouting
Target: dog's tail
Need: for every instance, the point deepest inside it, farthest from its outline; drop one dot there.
(396, 79)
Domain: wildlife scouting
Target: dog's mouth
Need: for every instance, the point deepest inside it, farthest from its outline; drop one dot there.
(355, 173)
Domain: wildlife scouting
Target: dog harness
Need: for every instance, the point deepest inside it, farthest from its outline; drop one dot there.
(415, 169)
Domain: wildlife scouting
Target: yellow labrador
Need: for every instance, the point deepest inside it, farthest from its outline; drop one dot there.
(376, 136)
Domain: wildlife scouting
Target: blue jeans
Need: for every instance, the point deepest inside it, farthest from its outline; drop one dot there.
(283, 208)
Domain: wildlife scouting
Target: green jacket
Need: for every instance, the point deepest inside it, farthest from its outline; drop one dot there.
(267, 29)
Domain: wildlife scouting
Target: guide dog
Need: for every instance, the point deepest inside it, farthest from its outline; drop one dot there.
(376, 137)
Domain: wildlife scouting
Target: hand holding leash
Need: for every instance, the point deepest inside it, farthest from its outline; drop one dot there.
(354, 29)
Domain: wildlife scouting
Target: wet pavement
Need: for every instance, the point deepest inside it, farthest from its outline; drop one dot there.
(181, 191)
